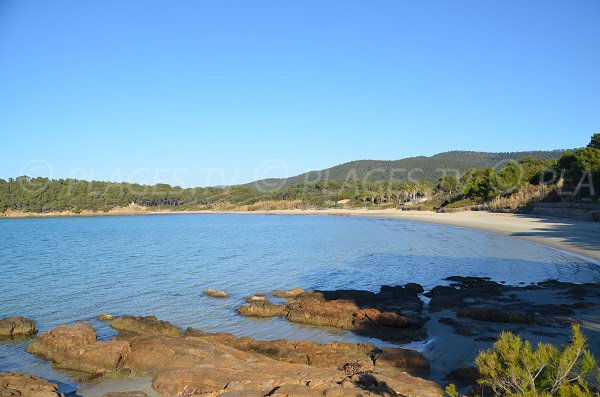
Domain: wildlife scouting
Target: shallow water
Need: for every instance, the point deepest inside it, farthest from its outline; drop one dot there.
(61, 270)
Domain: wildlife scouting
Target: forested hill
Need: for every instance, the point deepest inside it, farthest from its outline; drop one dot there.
(357, 180)
(396, 170)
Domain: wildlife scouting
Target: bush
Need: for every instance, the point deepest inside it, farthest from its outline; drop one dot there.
(465, 202)
(514, 368)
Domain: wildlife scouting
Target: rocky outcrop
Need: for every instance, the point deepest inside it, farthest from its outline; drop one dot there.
(188, 365)
(287, 293)
(464, 376)
(199, 363)
(392, 314)
(13, 384)
(333, 354)
(126, 394)
(145, 325)
(408, 360)
(487, 301)
(17, 326)
(261, 309)
(496, 315)
(75, 347)
(461, 290)
(216, 293)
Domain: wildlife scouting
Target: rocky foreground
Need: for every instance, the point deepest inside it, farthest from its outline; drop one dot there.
(192, 363)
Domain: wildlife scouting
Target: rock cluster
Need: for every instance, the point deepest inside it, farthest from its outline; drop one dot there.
(198, 363)
(145, 325)
(487, 301)
(394, 313)
(75, 347)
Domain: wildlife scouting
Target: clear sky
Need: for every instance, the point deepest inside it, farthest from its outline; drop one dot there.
(197, 93)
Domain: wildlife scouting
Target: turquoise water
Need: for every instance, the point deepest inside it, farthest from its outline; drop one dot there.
(61, 270)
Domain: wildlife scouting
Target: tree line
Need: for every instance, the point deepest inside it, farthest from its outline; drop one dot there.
(577, 171)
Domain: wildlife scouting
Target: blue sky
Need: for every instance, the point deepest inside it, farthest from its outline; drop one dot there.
(199, 93)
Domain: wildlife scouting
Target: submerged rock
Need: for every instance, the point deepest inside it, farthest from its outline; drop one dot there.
(104, 317)
(75, 347)
(13, 384)
(145, 325)
(287, 293)
(216, 293)
(261, 309)
(496, 315)
(256, 298)
(461, 290)
(17, 326)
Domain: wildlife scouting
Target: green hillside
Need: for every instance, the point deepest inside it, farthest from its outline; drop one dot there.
(424, 169)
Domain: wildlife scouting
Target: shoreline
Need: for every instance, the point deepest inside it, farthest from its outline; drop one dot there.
(572, 236)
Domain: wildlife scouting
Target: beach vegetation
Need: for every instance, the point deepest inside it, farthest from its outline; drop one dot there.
(513, 367)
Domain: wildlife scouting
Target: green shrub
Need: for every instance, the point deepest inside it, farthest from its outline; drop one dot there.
(514, 368)
(465, 202)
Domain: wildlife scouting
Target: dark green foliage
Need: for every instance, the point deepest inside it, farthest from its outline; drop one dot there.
(581, 169)
(595, 141)
(448, 184)
(423, 169)
(363, 182)
(44, 195)
(514, 368)
(480, 184)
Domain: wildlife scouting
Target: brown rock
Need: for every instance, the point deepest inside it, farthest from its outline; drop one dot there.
(256, 298)
(216, 293)
(105, 317)
(364, 312)
(13, 384)
(464, 376)
(76, 347)
(145, 325)
(198, 363)
(287, 293)
(316, 309)
(403, 359)
(245, 367)
(17, 326)
(332, 354)
(261, 309)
